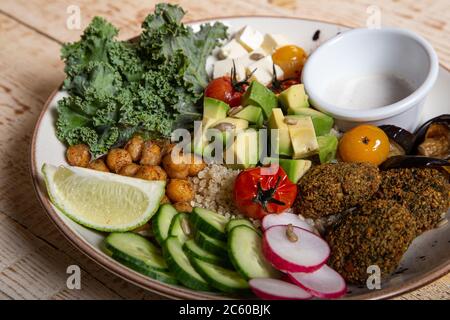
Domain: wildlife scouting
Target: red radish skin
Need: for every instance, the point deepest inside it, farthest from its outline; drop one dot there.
(308, 244)
(284, 218)
(323, 283)
(274, 289)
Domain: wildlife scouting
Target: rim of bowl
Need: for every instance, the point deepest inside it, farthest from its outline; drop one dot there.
(384, 111)
(171, 291)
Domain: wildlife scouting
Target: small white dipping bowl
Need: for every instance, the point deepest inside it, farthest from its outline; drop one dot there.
(377, 76)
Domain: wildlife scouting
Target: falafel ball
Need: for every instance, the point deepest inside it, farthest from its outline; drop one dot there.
(329, 188)
(425, 192)
(377, 233)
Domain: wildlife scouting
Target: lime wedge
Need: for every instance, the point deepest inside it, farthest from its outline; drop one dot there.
(100, 200)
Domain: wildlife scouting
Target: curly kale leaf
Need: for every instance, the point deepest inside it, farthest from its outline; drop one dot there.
(118, 88)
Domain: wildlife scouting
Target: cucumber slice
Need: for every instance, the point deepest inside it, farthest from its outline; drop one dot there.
(162, 276)
(180, 266)
(225, 280)
(239, 222)
(194, 251)
(135, 249)
(210, 223)
(244, 247)
(161, 222)
(210, 244)
(177, 229)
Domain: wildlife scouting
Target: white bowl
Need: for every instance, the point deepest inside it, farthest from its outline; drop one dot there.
(378, 76)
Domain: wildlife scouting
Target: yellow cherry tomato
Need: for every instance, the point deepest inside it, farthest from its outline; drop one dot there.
(364, 143)
(290, 59)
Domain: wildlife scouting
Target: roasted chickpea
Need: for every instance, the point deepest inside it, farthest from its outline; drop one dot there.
(151, 154)
(129, 170)
(179, 190)
(196, 164)
(99, 165)
(117, 158)
(151, 173)
(183, 207)
(167, 147)
(176, 166)
(78, 155)
(164, 200)
(134, 147)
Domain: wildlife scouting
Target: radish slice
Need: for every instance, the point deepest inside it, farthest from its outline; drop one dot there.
(307, 254)
(285, 218)
(274, 289)
(322, 283)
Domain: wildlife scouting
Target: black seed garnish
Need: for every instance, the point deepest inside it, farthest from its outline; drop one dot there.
(316, 35)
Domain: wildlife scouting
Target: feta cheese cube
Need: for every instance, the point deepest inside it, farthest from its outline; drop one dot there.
(231, 50)
(263, 70)
(274, 41)
(223, 68)
(251, 57)
(249, 38)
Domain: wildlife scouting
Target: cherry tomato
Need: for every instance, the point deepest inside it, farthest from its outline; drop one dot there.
(290, 59)
(263, 190)
(278, 86)
(364, 143)
(225, 90)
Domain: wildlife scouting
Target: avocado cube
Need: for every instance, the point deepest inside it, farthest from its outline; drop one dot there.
(214, 109)
(279, 131)
(259, 95)
(327, 148)
(321, 121)
(293, 98)
(294, 168)
(303, 138)
(250, 113)
(243, 153)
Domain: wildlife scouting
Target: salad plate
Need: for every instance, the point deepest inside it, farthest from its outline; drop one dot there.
(427, 259)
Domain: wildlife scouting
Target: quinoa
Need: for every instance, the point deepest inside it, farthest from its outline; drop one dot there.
(425, 192)
(377, 233)
(330, 189)
(213, 189)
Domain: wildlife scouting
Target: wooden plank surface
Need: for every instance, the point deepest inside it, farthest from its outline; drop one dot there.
(33, 254)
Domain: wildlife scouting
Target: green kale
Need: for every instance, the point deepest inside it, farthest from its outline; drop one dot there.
(150, 86)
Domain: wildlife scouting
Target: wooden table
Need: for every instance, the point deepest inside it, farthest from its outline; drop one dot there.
(34, 256)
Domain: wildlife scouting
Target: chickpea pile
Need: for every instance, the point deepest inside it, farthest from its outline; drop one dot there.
(148, 160)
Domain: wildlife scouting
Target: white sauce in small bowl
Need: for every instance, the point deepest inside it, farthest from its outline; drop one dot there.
(368, 92)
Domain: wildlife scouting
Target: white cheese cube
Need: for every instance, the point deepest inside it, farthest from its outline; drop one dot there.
(263, 70)
(223, 68)
(231, 50)
(249, 38)
(274, 41)
(252, 57)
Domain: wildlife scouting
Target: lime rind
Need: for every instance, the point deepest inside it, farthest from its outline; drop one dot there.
(152, 190)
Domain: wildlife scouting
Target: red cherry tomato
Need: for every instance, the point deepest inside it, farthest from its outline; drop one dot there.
(263, 190)
(223, 89)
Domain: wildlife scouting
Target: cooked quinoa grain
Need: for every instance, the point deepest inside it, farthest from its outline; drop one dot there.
(329, 189)
(425, 192)
(213, 188)
(377, 233)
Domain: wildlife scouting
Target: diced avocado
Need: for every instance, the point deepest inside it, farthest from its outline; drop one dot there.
(237, 124)
(281, 142)
(250, 113)
(294, 168)
(327, 148)
(293, 98)
(200, 139)
(244, 150)
(214, 109)
(261, 96)
(303, 138)
(321, 121)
